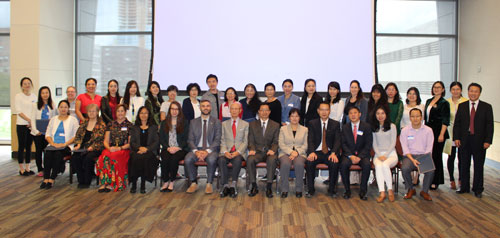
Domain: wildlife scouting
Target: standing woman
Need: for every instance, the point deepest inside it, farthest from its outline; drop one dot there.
(384, 145)
(449, 147)
(154, 101)
(230, 97)
(112, 165)
(395, 105)
(41, 113)
(87, 98)
(357, 99)
(378, 97)
(437, 117)
(60, 136)
(250, 104)
(172, 91)
(71, 98)
(88, 146)
(288, 101)
(309, 103)
(23, 104)
(110, 101)
(191, 105)
(293, 148)
(336, 105)
(173, 139)
(132, 100)
(144, 145)
(413, 100)
(273, 102)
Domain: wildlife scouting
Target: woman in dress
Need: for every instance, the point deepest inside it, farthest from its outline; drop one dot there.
(132, 99)
(413, 100)
(154, 101)
(110, 101)
(84, 99)
(191, 104)
(396, 107)
(288, 101)
(250, 104)
(273, 102)
(378, 97)
(309, 103)
(357, 99)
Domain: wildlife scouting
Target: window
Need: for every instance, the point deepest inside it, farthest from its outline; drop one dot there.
(5, 71)
(113, 41)
(416, 43)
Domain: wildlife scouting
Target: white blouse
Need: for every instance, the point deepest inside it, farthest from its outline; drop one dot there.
(133, 108)
(337, 111)
(70, 127)
(23, 104)
(405, 121)
(36, 114)
(196, 109)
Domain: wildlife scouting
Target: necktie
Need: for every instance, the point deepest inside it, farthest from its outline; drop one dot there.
(204, 137)
(234, 135)
(355, 133)
(324, 148)
(263, 129)
(472, 116)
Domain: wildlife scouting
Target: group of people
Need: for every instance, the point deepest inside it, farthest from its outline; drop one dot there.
(127, 138)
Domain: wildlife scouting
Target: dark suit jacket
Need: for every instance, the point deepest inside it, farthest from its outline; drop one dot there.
(181, 137)
(439, 116)
(214, 133)
(312, 112)
(333, 137)
(187, 109)
(363, 143)
(153, 141)
(483, 123)
(262, 144)
(106, 113)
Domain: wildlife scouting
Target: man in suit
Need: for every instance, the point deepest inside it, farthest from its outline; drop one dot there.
(263, 137)
(473, 135)
(213, 95)
(233, 149)
(204, 142)
(324, 142)
(356, 146)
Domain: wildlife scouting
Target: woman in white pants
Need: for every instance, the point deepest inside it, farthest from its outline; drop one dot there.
(384, 145)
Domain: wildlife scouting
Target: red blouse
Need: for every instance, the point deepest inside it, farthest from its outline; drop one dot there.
(86, 100)
(113, 102)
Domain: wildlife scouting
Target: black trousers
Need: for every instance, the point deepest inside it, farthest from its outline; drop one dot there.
(333, 172)
(40, 144)
(451, 163)
(170, 164)
(437, 157)
(83, 163)
(345, 171)
(24, 139)
(53, 161)
(142, 165)
(475, 149)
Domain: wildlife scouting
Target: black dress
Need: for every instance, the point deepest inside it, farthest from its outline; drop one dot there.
(275, 107)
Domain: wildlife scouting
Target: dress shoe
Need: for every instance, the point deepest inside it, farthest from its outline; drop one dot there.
(133, 189)
(208, 189)
(269, 193)
(298, 194)
(284, 194)
(426, 196)
(43, 185)
(232, 192)
(347, 194)
(83, 186)
(107, 190)
(101, 190)
(310, 194)
(381, 197)
(163, 190)
(192, 188)
(453, 185)
(253, 191)
(79, 186)
(31, 172)
(362, 196)
(143, 190)
(224, 192)
(332, 194)
(391, 196)
(49, 185)
(478, 195)
(462, 191)
(410, 194)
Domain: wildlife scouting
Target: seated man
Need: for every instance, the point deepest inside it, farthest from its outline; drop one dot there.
(323, 148)
(204, 142)
(357, 143)
(263, 137)
(416, 141)
(233, 149)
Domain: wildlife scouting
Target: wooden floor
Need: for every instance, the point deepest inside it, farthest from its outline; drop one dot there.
(65, 211)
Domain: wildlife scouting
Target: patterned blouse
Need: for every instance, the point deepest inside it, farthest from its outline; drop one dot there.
(172, 137)
(119, 132)
(97, 138)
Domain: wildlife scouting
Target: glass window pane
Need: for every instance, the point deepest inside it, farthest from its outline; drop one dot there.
(4, 70)
(114, 15)
(120, 57)
(415, 61)
(424, 17)
(4, 17)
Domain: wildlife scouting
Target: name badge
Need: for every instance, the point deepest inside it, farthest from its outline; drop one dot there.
(411, 137)
(124, 128)
(222, 98)
(360, 133)
(290, 104)
(61, 134)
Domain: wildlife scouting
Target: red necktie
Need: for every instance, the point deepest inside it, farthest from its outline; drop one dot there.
(355, 133)
(234, 135)
(472, 116)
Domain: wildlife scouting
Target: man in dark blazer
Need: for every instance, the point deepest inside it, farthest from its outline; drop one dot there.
(323, 142)
(356, 146)
(204, 142)
(473, 135)
(263, 135)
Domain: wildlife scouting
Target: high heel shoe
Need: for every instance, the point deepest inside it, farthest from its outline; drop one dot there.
(381, 198)
(49, 185)
(43, 185)
(391, 196)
